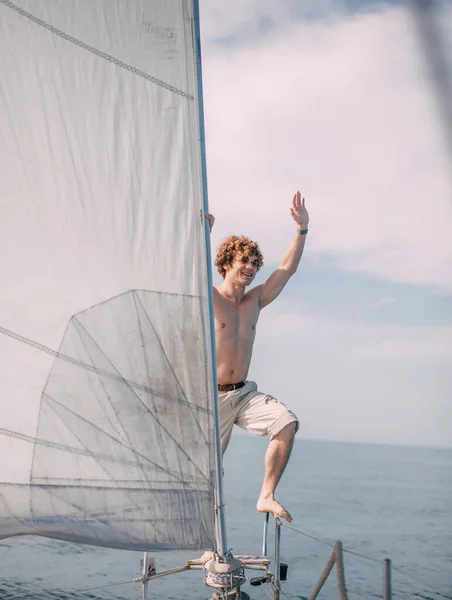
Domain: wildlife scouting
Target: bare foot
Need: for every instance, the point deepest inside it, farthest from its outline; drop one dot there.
(271, 505)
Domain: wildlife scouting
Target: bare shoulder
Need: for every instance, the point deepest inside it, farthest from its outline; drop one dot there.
(254, 293)
(218, 298)
(253, 296)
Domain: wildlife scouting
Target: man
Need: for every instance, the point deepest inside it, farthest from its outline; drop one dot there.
(236, 314)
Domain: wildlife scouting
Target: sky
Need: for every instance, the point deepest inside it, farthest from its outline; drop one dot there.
(337, 101)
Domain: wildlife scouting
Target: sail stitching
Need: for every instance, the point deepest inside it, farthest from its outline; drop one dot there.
(104, 55)
(95, 456)
(56, 354)
(97, 487)
(33, 524)
(13, 514)
(66, 518)
(80, 328)
(100, 518)
(154, 482)
(148, 376)
(189, 404)
(82, 452)
(135, 300)
(119, 377)
(102, 466)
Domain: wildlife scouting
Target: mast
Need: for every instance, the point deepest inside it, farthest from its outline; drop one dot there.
(221, 542)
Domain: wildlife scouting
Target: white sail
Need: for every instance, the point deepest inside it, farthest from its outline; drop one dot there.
(106, 427)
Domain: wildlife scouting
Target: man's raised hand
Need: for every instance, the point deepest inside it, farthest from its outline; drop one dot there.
(211, 220)
(299, 212)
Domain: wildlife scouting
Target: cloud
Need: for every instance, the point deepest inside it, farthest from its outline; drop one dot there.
(382, 302)
(352, 381)
(421, 343)
(241, 22)
(343, 110)
(359, 342)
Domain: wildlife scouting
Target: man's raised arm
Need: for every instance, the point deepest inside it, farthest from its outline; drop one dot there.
(278, 279)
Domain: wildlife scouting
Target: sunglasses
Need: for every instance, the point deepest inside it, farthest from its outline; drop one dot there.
(246, 259)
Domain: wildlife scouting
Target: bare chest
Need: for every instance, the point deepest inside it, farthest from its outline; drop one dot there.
(236, 321)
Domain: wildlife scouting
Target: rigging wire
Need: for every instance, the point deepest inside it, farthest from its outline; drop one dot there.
(427, 584)
(264, 585)
(101, 587)
(281, 591)
(423, 582)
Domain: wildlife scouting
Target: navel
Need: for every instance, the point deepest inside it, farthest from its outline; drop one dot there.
(253, 327)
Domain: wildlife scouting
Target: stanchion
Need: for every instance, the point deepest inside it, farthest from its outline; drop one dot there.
(387, 587)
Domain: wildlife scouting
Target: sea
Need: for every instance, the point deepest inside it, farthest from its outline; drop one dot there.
(380, 501)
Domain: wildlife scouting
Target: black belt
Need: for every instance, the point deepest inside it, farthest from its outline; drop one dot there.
(228, 387)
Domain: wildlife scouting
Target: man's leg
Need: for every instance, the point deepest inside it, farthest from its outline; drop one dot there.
(278, 452)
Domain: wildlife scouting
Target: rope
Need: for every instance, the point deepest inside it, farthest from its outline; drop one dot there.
(95, 51)
(324, 576)
(428, 585)
(336, 557)
(231, 579)
(340, 571)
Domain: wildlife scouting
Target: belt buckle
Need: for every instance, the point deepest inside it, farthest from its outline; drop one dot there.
(226, 387)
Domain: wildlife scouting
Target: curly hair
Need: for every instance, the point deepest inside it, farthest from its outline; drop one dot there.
(235, 246)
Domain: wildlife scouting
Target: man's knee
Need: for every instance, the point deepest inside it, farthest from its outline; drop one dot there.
(287, 432)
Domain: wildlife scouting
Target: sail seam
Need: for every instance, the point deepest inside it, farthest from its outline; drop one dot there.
(82, 452)
(170, 366)
(119, 442)
(55, 486)
(93, 369)
(143, 404)
(148, 377)
(79, 327)
(104, 55)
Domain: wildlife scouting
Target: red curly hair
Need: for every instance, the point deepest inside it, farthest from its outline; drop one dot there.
(235, 246)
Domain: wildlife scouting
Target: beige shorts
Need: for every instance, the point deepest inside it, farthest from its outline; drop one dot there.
(258, 413)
